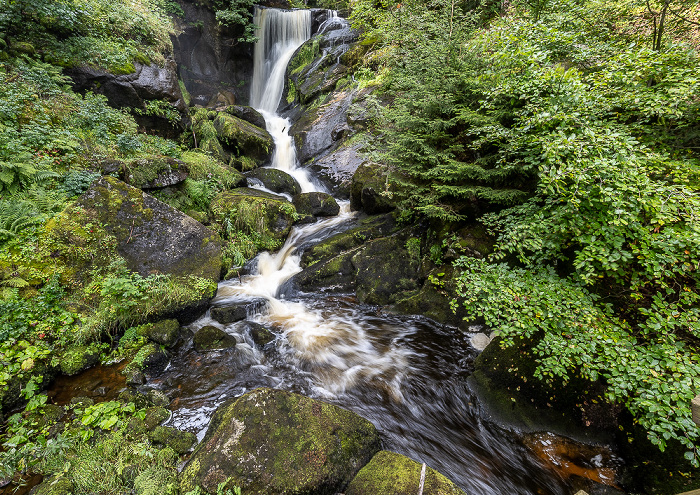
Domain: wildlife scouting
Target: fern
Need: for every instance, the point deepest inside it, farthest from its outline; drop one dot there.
(16, 282)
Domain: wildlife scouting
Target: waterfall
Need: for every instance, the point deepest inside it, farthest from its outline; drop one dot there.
(280, 33)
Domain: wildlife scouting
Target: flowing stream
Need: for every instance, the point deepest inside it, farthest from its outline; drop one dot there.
(406, 374)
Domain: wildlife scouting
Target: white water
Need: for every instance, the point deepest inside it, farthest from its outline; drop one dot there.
(337, 349)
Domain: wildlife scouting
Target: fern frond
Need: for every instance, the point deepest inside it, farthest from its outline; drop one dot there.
(16, 282)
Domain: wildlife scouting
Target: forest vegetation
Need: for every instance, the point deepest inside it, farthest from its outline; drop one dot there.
(570, 129)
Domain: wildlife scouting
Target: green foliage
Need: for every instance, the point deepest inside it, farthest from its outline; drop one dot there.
(238, 13)
(159, 108)
(76, 182)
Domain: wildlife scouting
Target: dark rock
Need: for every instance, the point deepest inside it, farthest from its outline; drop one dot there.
(229, 314)
(23, 48)
(140, 400)
(81, 402)
(271, 441)
(337, 273)
(389, 473)
(261, 335)
(275, 217)
(180, 441)
(158, 398)
(100, 391)
(244, 138)
(249, 114)
(152, 236)
(164, 332)
(210, 338)
(317, 204)
(384, 269)
(149, 357)
(154, 172)
(318, 82)
(135, 378)
(56, 485)
(313, 131)
(275, 180)
(155, 415)
(335, 170)
(370, 190)
(145, 83)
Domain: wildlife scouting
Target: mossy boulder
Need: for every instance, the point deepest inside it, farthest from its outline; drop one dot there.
(229, 314)
(389, 473)
(204, 166)
(149, 357)
(337, 273)
(275, 180)
(152, 236)
(271, 442)
(56, 485)
(255, 211)
(243, 138)
(76, 359)
(368, 229)
(24, 48)
(249, 114)
(371, 189)
(318, 204)
(178, 440)
(154, 172)
(384, 269)
(210, 338)
(164, 332)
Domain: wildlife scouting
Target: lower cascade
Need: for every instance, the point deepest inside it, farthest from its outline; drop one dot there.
(405, 374)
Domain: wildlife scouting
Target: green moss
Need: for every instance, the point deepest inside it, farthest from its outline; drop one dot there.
(180, 441)
(185, 94)
(78, 358)
(389, 473)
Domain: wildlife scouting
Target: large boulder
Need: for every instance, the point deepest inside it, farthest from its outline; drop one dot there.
(243, 139)
(317, 204)
(152, 236)
(275, 180)
(389, 473)
(249, 114)
(141, 84)
(336, 169)
(252, 210)
(371, 189)
(275, 442)
(210, 338)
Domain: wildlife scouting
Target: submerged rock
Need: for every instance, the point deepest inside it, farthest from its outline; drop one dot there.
(275, 180)
(272, 442)
(389, 473)
(210, 338)
(229, 314)
(152, 236)
(318, 204)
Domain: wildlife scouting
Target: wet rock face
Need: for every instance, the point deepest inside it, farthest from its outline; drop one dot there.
(370, 189)
(317, 204)
(210, 57)
(271, 441)
(148, 82)
(389, 473)
(274, 180)
(152, 236)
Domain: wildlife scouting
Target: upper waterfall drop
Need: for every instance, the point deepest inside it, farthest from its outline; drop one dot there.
(280, 33)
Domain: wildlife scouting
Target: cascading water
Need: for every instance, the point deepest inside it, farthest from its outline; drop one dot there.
(405, 374)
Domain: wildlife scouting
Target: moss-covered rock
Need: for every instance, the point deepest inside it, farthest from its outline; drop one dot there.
(178, 440)
(154, 172)
(384, 268)
(149, 357)
(164, 332)
(275, 180)
(204, 166)
(337, 272)
(158, 398)
(152, 236)
(210, 338)
(243, 138)
(229, 314)
(260, 335)
(318, 204)
(271, 442)
(371, 190)
(389, 473)
(249, 114)
(56, 485)
(255, 211)
(76, 359)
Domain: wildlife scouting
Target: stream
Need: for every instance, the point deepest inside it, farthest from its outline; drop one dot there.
(405, 374)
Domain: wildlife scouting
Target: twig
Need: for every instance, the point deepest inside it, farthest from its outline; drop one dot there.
(422, 480)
